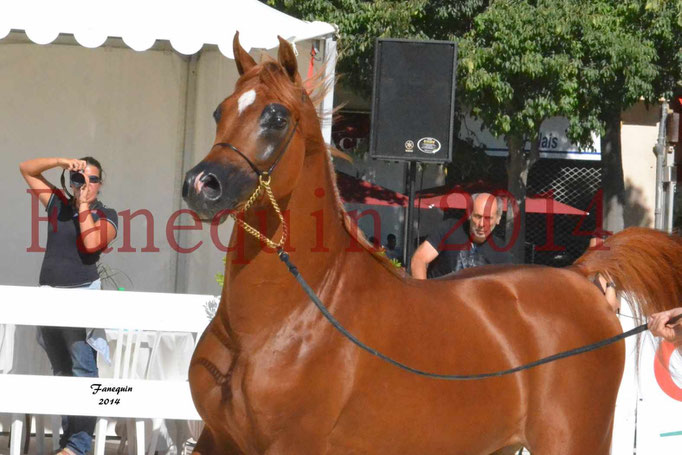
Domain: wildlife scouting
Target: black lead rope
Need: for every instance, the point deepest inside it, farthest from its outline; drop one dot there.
(450, 377)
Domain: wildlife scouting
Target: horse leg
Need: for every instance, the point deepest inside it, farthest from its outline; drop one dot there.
(563, 434)
(554, 448)
(509, 450)
(207, 445)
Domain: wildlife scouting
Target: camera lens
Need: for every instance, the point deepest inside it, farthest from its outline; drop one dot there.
(77, 179)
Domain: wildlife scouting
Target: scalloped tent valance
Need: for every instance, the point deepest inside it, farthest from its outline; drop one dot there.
(186, 25)
(145, 115)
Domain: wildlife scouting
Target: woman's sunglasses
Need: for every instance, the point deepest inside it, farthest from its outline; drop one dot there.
(78, 179)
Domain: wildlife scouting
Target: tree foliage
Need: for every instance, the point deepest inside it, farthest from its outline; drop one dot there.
(659, 22)
(526, 61)
(359, 23)
(447, 19)
(523, 61)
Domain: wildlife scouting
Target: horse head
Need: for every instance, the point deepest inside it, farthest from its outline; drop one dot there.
(261, 134)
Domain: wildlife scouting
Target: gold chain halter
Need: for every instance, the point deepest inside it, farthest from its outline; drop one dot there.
(263, 183)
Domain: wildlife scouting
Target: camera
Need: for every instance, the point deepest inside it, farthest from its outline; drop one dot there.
(77, 179)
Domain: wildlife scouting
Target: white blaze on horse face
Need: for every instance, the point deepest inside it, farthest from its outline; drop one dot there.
(246, 100)
(267, 151)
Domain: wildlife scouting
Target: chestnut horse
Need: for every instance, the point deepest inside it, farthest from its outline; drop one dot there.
(272, 376)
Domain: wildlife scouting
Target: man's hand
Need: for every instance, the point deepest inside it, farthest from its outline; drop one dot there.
(660, 327)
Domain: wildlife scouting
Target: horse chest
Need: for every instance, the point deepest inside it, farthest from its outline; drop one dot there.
(284, 388)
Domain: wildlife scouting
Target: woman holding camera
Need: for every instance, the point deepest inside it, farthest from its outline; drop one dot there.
(80, 227)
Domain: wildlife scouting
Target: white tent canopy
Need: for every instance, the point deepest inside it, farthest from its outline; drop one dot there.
(187, 25)
(146, 116)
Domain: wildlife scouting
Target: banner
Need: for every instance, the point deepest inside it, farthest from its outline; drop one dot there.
(553, 141)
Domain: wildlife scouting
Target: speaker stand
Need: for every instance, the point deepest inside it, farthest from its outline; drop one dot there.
(408, 242)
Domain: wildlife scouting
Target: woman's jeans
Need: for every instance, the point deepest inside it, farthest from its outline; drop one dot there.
(71, 355)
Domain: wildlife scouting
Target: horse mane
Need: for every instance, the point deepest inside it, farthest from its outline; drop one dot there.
(270, 73)
(349, 224)
(653, 281)
(318, 87)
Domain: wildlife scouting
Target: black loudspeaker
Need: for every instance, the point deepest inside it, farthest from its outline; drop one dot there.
(413, 100)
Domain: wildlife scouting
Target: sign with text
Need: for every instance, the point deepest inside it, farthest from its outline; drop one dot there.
(553, 140)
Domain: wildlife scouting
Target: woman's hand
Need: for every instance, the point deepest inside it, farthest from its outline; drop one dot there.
(82, 197)
(71, 164)
(658, 324)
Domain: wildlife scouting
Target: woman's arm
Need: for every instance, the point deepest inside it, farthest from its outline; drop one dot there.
(32, 172)
(95, 235)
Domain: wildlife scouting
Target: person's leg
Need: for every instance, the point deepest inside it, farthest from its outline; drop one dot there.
(60, 360)
(56, 349)
(84, 364)
(81, 360)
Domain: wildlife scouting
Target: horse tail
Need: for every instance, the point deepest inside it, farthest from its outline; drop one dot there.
(644, 264)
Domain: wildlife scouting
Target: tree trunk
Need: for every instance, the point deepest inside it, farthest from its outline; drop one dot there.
(613, 183)
(519, 163)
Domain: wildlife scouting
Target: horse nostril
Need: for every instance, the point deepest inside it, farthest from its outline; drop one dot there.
(211, 186)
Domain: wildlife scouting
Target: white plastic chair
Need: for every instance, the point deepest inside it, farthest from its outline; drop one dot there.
(158, 425)
(134, 366)
(126, 357)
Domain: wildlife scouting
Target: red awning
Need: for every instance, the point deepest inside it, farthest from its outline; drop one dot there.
(355, 190)
(547, 205)
(360, 191)
(457, 199)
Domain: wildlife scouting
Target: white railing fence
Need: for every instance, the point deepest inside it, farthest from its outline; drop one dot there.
(152, 336)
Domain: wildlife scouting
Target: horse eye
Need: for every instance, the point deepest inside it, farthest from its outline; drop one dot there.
(279, 122)
(274, 117)
(216, 114)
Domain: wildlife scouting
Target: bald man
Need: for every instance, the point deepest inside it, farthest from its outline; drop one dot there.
(455, 248)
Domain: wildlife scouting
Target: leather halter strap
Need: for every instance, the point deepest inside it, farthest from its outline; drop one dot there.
(281, 151)
(283, 147)
(264, 183)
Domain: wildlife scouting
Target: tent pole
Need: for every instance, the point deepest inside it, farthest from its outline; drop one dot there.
(327, 105)
(409, 245)
(660, 162)
(186, 161)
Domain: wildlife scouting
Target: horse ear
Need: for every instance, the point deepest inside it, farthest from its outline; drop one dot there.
(287, 59)
(242, 58)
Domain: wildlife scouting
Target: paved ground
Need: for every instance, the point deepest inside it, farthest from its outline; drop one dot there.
(111, 446)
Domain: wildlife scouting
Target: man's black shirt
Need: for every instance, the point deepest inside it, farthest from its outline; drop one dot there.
(456, 251)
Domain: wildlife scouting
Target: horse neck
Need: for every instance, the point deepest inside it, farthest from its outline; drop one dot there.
(316, 242)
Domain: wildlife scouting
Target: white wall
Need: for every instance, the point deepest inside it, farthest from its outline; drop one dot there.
(127, 109)
(639, 134)
(122, 107)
